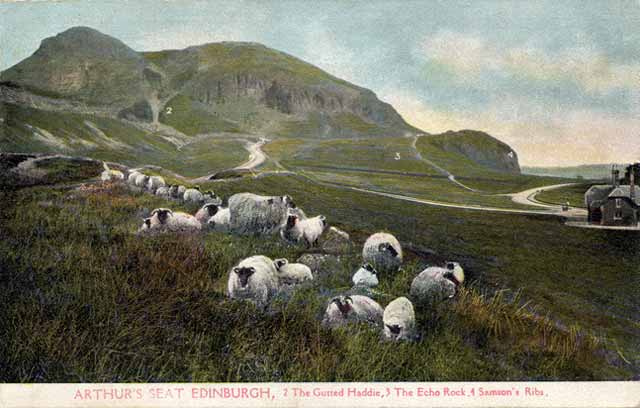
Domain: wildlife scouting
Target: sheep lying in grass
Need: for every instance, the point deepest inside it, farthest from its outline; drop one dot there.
(291, 273)
(383, 251)
(220, 220)
(163, 192)
(307, 230)
(399, 320)
(154, 183)
(252, 214)
(205, 213)
(110, 175)
(436, 284)
(253, 279)
(193, 195)
(349, 309)
(166, 220)
(366, 276)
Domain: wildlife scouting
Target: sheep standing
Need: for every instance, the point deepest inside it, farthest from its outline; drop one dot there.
(307, 230)
(154, 183)
(253, 279)
(252, 214)
(366, 276)
(193, 195)
(110, 175)
(141, 180)
(132, 177)
(399, 320)
(436, 284)
(383, 251)
(164, 219)
(291, 273)
(206, 212)
(349, 309)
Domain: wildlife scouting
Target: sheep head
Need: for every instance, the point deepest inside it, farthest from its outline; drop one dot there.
(344, 304)
(454, 273)
(279, 263)
(244, 273)
(387, 247)
(162, 214)
(292, 219)
(288, 201)
(212, 209)
(367, 266)
(394, 329)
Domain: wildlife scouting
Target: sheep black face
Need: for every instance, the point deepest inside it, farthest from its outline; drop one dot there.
(212, 209)
(147, 222)
(291, 221)
(244, 274)
(454, 273)
(323, 220)
(288, 201)
(387, 247)
(395, 329)
(279, 263)
(370, 268)
(162, 213)
(344, 304)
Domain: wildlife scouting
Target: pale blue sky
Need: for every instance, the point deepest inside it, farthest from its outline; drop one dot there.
(558, 80)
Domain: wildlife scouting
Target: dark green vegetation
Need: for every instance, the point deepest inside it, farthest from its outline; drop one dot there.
(86, 300)
(587, 171)
(572, 194)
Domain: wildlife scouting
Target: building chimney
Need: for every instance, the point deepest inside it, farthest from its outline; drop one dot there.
(616, 178)
(613, 176)
(632, 185)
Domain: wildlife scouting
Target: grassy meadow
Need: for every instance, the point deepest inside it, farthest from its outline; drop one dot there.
(85, 299)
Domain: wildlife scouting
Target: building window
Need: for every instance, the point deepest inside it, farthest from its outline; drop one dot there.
(617, 215)
(618, 202)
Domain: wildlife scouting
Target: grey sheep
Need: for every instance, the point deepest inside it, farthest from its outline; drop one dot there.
(141, 180)
(206, 212)
(193, 195)
(399, 320)
(252, 214)
(253, 279)
(435, 284)
(163, 192)
(220, 220)
(154, 183)
(349, 309)
(383, 251)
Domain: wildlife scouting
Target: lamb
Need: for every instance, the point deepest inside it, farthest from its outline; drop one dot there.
(110, 175)
(220, 220)
(253, 279)
(146, 226)
(141, 180)
(307, 230)
(436, 284)
(383, 251)
(252, 214)
(206, 212)
(366, 276)
(291, 273)
(164, 219)
(349, 309)
(193, 195)
(399, 320)
(154, 183)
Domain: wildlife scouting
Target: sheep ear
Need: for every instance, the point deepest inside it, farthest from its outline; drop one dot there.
(154, 212)
(236, 270)
(323, 218)
(252, 269)
(270, 201)
(348, 299)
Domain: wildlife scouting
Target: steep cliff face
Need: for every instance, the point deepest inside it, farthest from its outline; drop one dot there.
(84, 65)
(481, 148)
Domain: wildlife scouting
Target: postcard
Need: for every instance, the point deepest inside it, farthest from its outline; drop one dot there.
(319, 203)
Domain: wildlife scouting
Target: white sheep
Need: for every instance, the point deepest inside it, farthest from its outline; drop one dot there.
(253, 279)
(163, 191)
(291, 273)
(252, 214)
(146, 226)
(355, 308)
(154, 183)
(209, 197)
(383, 251)
(206, 212)
(307, 230)
(435, 284)
(132, 177)
(193, 195)
(142, 180)
(366, 275)
(164, 219)
(399, 320)
(110, 175)
(220, 220)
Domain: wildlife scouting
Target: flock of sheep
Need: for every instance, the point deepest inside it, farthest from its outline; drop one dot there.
(259, 279)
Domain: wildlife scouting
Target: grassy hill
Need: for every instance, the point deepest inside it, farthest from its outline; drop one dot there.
(86, 300)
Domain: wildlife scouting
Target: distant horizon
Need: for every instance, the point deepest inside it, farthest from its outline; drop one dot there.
(562, 90)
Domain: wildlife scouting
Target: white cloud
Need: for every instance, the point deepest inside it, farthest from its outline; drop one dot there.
(471, 58)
